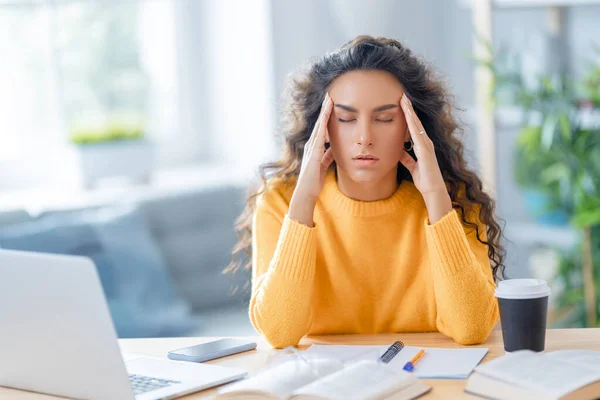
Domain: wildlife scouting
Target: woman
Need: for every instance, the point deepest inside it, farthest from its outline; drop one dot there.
(371, 222)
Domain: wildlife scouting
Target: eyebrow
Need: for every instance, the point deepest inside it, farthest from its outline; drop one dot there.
(376, 109)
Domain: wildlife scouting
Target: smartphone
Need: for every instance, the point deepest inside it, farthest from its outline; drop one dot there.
(211, 350)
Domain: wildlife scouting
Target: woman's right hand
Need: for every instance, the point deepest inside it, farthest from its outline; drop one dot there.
(315, 162)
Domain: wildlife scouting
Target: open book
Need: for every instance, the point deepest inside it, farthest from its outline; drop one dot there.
(564, 375)
(325, 379)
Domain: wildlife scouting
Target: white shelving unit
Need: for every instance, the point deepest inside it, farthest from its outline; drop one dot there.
(532, 3)
(483, 24)
(486, 119)
(523, 237)
(542, 3)
(540, 235)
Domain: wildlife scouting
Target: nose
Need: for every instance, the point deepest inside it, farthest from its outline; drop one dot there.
(364, 135)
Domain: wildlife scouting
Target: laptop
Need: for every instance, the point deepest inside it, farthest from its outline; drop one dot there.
(57, 337)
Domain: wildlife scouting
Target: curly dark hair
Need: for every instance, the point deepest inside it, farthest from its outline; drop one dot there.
(434, 107)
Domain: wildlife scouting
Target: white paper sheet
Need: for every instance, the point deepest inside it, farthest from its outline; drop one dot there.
(436, 363)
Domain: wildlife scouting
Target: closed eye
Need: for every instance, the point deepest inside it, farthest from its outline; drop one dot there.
(377, 120)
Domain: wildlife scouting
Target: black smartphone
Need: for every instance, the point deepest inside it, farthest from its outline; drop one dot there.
(211, 350)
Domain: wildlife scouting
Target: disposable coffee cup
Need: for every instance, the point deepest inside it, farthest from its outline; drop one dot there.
(523, 311)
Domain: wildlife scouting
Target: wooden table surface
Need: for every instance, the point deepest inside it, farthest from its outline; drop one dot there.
(556, 339)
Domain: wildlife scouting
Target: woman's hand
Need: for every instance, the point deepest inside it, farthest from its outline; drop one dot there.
(315, 162)
(425, 171)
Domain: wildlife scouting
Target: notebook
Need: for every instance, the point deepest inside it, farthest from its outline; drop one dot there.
(324, 379)
(436, 363)
(557, 375)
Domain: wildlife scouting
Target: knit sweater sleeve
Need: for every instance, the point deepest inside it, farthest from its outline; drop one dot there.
(463, 283)
(283, 269)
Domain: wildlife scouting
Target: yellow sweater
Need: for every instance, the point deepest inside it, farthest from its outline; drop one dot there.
(367, 267)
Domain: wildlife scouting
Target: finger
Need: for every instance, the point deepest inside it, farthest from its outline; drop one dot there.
(315, 130)
(409, 162)
(415, 116)
(327, 158)
(413, 122)
(311, 139)
(410, 119)
(327, 109)
(319, 135)
(316, 134)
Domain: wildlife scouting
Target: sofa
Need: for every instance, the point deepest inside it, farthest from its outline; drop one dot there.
(191, 231)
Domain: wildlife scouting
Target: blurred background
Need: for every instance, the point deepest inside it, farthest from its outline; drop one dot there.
(130, 130)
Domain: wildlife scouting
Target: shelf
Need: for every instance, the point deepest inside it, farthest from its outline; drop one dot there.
(534, 3)
(532, 234)
(512, 117)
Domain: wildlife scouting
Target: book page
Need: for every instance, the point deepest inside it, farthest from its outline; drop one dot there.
(539, 372)
(360, 380)
(282, 379)
(589, 358)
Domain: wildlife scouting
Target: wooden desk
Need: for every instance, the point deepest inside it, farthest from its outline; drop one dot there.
(442, 389)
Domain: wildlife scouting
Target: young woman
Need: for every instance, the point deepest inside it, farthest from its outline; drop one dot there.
(371, 222)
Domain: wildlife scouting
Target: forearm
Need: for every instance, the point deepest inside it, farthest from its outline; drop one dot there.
(438, 205)
(466, 306)
(280, 304)
(463, 284)
(302, 209)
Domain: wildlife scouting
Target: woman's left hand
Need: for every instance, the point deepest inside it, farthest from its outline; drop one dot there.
(425, 171)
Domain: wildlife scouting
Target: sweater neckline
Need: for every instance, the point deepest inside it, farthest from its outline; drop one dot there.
(335, 200)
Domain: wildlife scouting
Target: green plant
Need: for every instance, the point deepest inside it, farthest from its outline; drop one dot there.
(571, 280)
(592, 81)
(558, 155)
(113, 131)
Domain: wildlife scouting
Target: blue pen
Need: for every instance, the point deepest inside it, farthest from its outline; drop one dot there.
(410, 366)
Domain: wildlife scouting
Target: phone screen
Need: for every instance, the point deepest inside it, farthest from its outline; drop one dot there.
(211, 347)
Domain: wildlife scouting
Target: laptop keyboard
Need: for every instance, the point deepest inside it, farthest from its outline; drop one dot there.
(142, 384)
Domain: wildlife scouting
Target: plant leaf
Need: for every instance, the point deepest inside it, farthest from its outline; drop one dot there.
(565, 127)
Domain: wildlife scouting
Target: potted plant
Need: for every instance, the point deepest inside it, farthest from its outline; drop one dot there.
(558, 156)
(116, 148)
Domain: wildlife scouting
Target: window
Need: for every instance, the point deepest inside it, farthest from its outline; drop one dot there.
(82, 65)
(99, 63)
(28, 86)
(178, 68)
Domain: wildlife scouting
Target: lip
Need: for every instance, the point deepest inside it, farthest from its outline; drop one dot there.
(365, 161)
(365, 157)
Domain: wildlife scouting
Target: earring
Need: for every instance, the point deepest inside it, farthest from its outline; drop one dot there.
(408, 146)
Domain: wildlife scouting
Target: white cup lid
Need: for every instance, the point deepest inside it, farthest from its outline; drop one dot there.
(522, 289)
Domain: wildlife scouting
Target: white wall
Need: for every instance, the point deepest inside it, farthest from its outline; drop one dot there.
(311, 28)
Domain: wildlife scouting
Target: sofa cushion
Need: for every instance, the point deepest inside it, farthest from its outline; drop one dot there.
(195, 232)
(132, 270)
